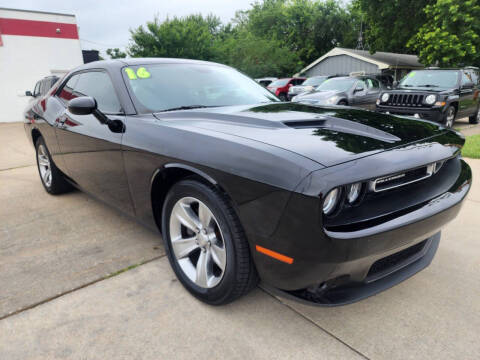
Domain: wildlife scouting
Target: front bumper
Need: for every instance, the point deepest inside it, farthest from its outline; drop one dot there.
(434, 114)
(405, 267)
(338, 267)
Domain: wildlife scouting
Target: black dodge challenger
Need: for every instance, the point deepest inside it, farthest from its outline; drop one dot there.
(324, 204)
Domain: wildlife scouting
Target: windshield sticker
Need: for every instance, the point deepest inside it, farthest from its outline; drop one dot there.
(411, 74)
(143, 73)
(130, 73)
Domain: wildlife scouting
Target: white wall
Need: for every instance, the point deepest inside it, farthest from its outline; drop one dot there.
(26, 59)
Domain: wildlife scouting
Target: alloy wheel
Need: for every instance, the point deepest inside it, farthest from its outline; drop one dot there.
(197, 242)
(44, 165)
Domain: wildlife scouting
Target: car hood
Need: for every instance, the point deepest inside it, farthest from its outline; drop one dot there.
(327, 135)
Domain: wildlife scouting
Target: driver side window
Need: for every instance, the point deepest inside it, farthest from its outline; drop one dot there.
(360, 87)
(36, 92)
(466, 79)
(66, 94)
(372, 85)
(98, 85)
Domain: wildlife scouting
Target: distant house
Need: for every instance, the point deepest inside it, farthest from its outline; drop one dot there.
(346, 61)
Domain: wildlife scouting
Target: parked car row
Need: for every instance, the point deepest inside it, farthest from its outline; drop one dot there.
(440, 95)
(280, 87)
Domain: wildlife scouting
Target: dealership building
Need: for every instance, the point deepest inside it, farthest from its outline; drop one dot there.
(33, 45)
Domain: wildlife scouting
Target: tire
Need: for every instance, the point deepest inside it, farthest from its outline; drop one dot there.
(209, 283)
(449, 117)
(51, 177)
(282, 97)
(475, 118)
(342, 102)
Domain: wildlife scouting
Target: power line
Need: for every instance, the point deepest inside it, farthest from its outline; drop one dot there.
(101, 44)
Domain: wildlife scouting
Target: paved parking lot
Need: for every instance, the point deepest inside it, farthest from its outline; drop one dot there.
(63, 293)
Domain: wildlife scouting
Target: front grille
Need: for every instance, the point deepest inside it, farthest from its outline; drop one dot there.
(401, 179)
(390, 262)
(406, 100)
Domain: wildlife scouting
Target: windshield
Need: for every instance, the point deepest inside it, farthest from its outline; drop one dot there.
(279, 82)
(315, 81)
(432, 78)
(160, 87)
(340, 84)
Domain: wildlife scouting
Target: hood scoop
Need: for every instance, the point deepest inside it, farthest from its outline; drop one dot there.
(306, 124)
(343, 126)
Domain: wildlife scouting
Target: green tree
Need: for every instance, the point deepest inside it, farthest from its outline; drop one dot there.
(390, 24)
(257, 56)
(274, 37)
(116, 53)
(308, 28)
(449, 36)
(191, 37)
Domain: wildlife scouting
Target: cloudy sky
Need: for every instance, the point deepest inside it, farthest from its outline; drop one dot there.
(105, 23)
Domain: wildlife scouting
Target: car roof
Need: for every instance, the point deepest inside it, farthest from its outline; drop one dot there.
(346, 77)
(119, 63)
(444, 69)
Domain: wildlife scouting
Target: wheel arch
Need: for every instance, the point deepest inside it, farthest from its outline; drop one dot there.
(36, 134)
(165, 177)
(455, 105)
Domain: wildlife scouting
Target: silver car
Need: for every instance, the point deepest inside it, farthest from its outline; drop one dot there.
(307, 86)
(360, 91)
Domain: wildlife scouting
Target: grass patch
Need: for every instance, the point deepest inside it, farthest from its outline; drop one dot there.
(471, 149)
(123, 270)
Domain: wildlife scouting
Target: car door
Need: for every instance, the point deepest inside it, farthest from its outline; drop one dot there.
(359, 96)
(92, 151)
(373, 90)
(467, 104)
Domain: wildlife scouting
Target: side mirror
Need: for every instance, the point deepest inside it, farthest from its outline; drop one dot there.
(28, 93)
(87, 105)
(84, 105)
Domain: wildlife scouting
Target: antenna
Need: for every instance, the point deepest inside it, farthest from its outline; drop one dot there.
(360, 38)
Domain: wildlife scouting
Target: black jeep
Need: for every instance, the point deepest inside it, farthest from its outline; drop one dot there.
(440, 95)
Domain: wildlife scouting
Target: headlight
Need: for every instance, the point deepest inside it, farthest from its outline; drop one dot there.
(385, 97)
(353, 192)
(331, 201)
(333, 100)
(430, 99)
